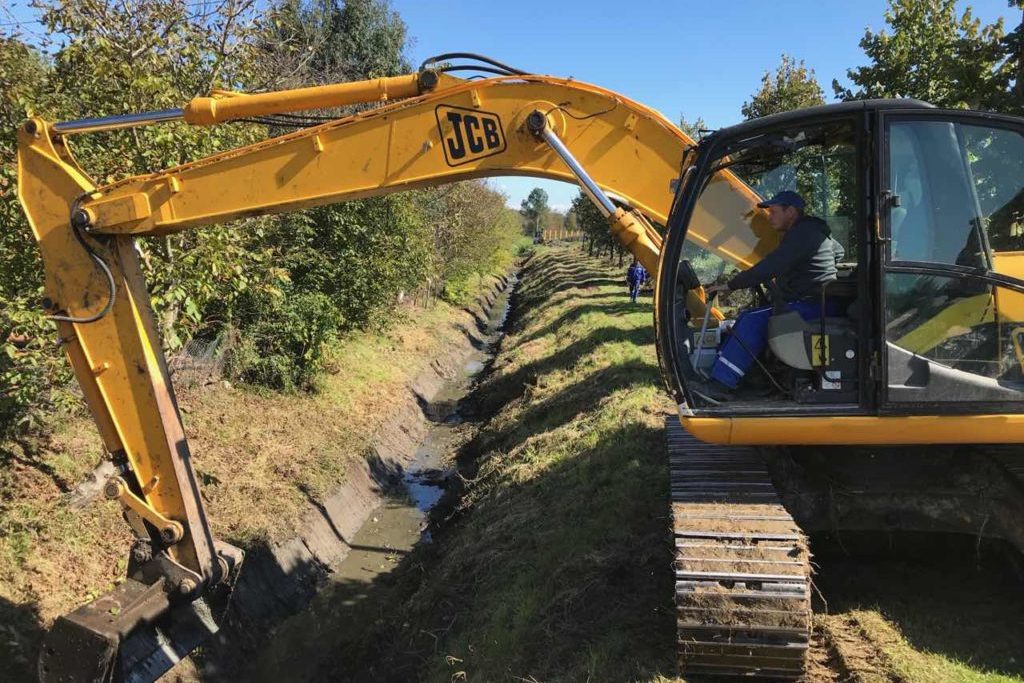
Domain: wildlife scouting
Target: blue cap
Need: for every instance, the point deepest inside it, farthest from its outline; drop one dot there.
(785, 198)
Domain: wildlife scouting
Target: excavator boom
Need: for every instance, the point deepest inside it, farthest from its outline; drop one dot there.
(443, 129)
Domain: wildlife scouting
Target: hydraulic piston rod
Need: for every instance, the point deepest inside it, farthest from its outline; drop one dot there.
(632, 230)
(538, 124)
(205, 111)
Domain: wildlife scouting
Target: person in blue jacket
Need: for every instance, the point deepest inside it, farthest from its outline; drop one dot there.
(804, 261)
(636, 275)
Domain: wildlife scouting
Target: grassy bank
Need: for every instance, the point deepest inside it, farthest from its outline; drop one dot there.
(261, 457)
(555, 562)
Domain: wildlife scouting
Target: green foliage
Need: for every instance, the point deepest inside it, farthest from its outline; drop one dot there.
(932, 54)
(324, 41)
(792, 86)
(282, 343)
(33, 372)
(534, 209)
(286, 286)
(594, 226)
(694, 130)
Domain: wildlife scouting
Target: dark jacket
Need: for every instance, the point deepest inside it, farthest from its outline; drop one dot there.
(804, 260)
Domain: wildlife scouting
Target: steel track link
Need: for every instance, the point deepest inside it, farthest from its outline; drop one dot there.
(742, 565)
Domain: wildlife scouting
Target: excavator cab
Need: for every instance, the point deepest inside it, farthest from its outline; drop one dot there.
(926, 314)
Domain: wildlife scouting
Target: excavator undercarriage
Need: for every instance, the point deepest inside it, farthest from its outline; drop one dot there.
(743, 518)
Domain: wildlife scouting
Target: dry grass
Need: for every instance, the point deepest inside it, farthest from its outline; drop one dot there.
(260, 457)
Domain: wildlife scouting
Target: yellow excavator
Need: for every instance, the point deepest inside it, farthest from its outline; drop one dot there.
(918, 342)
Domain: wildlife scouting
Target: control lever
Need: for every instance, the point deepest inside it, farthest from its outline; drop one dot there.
(703, 331)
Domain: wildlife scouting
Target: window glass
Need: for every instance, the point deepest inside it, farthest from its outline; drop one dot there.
(957, 193)
(996, 160)
(972, 331)
(818, 162)
(934, 216)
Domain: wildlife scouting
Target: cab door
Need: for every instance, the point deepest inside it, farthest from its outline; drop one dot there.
(950, 305)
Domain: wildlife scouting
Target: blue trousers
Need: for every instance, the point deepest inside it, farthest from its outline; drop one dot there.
(750, 335)
(634, 290)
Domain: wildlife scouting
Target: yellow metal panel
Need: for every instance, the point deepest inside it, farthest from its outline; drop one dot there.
(403, 146)
(927, 429)
(125, 210)
(117, 359)
(205, 111)
(1010, 304)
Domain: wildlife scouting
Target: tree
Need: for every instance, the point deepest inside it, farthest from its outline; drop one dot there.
(594, 226)
(1013, 44)
(323, 41)
(33, 372)
(534, 209)
(694, 130)
(791, 86)
(933, 55)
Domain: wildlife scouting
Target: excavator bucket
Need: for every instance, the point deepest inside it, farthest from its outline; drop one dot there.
(136, 632)
(131, 634)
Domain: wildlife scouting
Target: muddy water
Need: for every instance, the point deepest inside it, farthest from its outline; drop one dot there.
(401, 522)
(391, 531)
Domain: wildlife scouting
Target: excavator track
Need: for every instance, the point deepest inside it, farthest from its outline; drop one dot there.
(742, 565)
(1011, 457)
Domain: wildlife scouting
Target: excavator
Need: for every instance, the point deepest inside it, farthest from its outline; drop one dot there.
(917, 353)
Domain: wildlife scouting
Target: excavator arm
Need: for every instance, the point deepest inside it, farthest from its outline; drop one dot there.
(441, 129)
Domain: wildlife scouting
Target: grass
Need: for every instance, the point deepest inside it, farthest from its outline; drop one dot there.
(556, 568)
(931, 620)
(260, 457)
(554, 564)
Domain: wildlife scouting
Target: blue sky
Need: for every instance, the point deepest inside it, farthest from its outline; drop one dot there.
(680, 57)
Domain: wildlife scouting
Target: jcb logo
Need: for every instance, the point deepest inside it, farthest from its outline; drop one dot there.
(469, 134)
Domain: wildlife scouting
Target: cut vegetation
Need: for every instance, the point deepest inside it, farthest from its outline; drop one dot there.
(550, 558)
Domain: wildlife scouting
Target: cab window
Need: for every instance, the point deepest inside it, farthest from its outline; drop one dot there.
(955, 193)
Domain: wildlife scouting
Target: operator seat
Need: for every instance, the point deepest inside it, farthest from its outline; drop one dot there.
(798, 342)
(791, 338)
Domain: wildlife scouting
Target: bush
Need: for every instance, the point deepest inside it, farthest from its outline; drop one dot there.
(280, 341)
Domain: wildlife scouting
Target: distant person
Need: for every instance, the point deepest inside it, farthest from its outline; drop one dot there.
(636, 276)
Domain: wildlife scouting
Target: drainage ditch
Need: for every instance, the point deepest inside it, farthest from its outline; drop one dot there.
(358, 535)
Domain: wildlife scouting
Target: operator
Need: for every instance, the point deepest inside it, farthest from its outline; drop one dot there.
(796, 269)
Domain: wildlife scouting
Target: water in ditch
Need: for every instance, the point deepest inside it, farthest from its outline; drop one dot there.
(352, 596)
